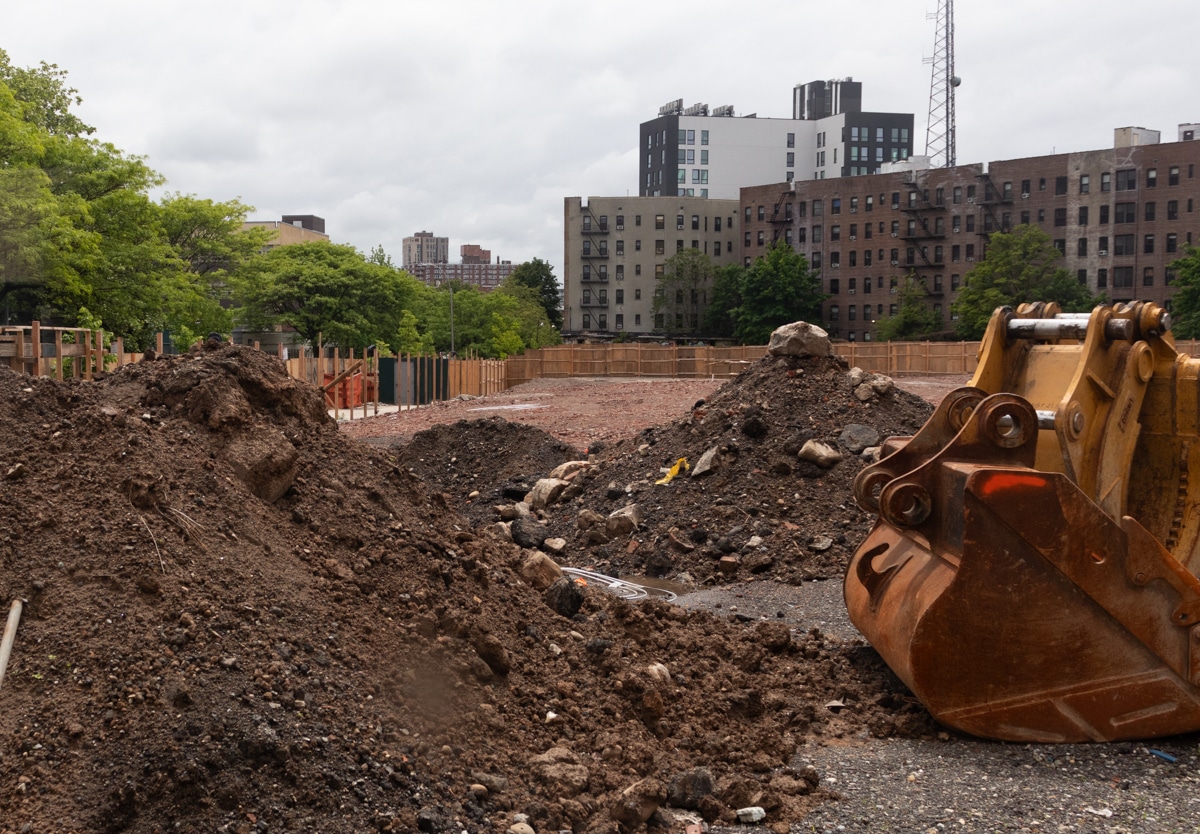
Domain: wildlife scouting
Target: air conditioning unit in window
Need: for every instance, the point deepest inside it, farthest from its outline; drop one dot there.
(854, 211)
(851, 292)
(894, 234)
(894, 262)
(970, 259)
(854, 237)
(1025, 195)
(970, 199)
(1103, 251)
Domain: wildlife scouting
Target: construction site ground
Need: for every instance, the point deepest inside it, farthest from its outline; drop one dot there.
(244, 616)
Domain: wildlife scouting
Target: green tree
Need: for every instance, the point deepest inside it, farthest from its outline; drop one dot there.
(914, 318)
(46, 98)
(324, 290)
(539, 276)
(408, 338)
(1185, 304)
(724, 301)
(681, 292)
(777, 289)
(1019, 266)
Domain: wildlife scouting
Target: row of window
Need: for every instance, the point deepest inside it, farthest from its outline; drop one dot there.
(660, 222)
(686, 137)
(601, 296)
(602, 321)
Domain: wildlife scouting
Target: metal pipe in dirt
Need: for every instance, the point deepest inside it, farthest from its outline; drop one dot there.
(10, 634)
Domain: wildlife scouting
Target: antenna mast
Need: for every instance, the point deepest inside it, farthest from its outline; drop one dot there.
(940, 130)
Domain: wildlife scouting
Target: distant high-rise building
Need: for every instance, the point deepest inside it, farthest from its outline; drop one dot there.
(426, 248)
(695, 152)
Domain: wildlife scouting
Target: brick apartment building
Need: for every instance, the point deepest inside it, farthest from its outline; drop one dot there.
(1120, 216)
(616, 247)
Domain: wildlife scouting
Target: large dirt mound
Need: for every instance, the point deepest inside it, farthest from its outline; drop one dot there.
(239, 620)
(762, 507)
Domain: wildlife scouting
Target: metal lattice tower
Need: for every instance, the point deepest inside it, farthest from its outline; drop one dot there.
(939, 133)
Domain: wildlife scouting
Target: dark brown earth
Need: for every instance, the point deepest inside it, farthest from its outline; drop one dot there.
(239, 619)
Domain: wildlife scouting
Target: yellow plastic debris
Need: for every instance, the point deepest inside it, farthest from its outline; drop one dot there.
(681, 465)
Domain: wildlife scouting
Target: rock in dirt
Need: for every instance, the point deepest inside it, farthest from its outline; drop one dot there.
(857, 437)
(545, 492)
(687, 789)
(265, 461)
(529, 532)
(638, 802)
(540, 571)
(623, 522)
(822, 454)
(799, 339)
(565, 596)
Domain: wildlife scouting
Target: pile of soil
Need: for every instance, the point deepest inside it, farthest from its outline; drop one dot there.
(240, 620)
(778, 515)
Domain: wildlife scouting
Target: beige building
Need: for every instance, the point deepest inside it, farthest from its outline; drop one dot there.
(615, 248)
(425, 248)
(293, 228)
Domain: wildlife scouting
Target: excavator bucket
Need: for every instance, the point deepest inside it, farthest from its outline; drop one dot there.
(1032, 574)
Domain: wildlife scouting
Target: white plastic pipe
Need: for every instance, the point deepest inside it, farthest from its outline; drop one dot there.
(10, 635)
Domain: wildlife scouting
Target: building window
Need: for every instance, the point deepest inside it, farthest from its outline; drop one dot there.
(1173, 175)
(970, 222)
(679, 245)
(834, 312)
(637, 246)
(1124, 245)
(791, 159)
(620, 296)
(1102, 245)
(1085, 184)
(1101, 278)
(870, 203)
(746, 241)
(1024, 219)
(1127, 179)
(818, 208)
(1172, 209)
(1081, 248)
(620, 272)
(1105, 182)
(1172, 242)
(835, 233)
(1149, 213)
(704, 137)
(1060, 245)
(1148, 245)
(637, 270)
(1122, 277)
(816, 234)
(835, 205)
(587, 248)
(660, 221)
(587, 320)
(1151, 177)
(1125, 213)
(970, 251)
(1148, 277)
(835, 260)
(620, 247)
(1103, 215)
(1060, 217)
(761, 237)
(1060, 185)
(660, 247)
(695, 222)
(1083, 215)
(679, 221)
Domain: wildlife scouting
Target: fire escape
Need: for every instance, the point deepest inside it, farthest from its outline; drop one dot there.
(925, 230)
(594, 283)
(783, 216)
(993, 202)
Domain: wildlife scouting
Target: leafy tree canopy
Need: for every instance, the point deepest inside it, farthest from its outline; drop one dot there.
(777, 289)
(682, 291)
(914, 318)
(1185, 305)
(325, 291)
(539, 276)
(46, 99)
(1019, 266)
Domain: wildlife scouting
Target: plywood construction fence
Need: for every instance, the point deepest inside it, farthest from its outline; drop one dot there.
(637, 359)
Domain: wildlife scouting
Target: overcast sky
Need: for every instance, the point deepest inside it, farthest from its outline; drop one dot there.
(473, 119)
